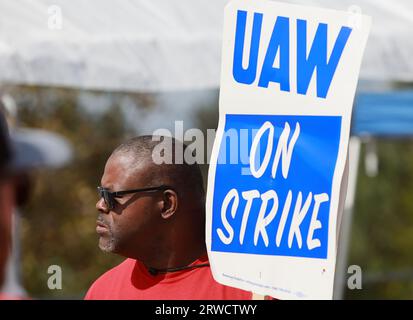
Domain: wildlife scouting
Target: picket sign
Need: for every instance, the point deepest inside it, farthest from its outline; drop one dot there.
(288, 79)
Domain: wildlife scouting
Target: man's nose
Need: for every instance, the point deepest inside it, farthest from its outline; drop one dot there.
(101, 206)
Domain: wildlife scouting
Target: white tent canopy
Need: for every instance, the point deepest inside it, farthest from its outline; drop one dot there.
(142, 45)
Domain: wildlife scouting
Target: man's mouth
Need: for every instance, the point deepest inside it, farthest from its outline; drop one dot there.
(101, 227)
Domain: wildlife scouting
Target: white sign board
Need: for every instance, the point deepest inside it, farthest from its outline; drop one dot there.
(288, 79)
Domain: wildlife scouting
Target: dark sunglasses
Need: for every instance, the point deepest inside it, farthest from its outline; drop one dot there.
(109, 196)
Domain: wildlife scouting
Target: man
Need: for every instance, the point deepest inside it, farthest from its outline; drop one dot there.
(6, 198)
(154, 214)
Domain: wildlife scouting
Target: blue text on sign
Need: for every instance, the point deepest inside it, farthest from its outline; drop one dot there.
(316, 60)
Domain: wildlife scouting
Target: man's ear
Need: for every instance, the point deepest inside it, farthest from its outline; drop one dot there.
(170, 204)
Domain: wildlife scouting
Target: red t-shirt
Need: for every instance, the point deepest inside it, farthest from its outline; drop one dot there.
(131, 281)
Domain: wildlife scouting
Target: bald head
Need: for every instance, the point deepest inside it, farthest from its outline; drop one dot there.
(161, 158)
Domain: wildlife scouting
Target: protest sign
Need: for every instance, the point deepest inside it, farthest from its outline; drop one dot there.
(288, 79)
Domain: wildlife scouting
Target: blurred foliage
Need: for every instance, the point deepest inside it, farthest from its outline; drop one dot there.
(59, 221)
(382, 229)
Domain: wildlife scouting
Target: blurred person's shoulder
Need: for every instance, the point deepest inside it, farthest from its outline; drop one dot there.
(5, 296)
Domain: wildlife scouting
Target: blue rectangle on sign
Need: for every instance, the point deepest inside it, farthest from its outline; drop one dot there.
(273, 183)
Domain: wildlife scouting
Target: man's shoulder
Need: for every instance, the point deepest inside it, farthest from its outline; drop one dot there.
(110, 278)
(125, 266)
